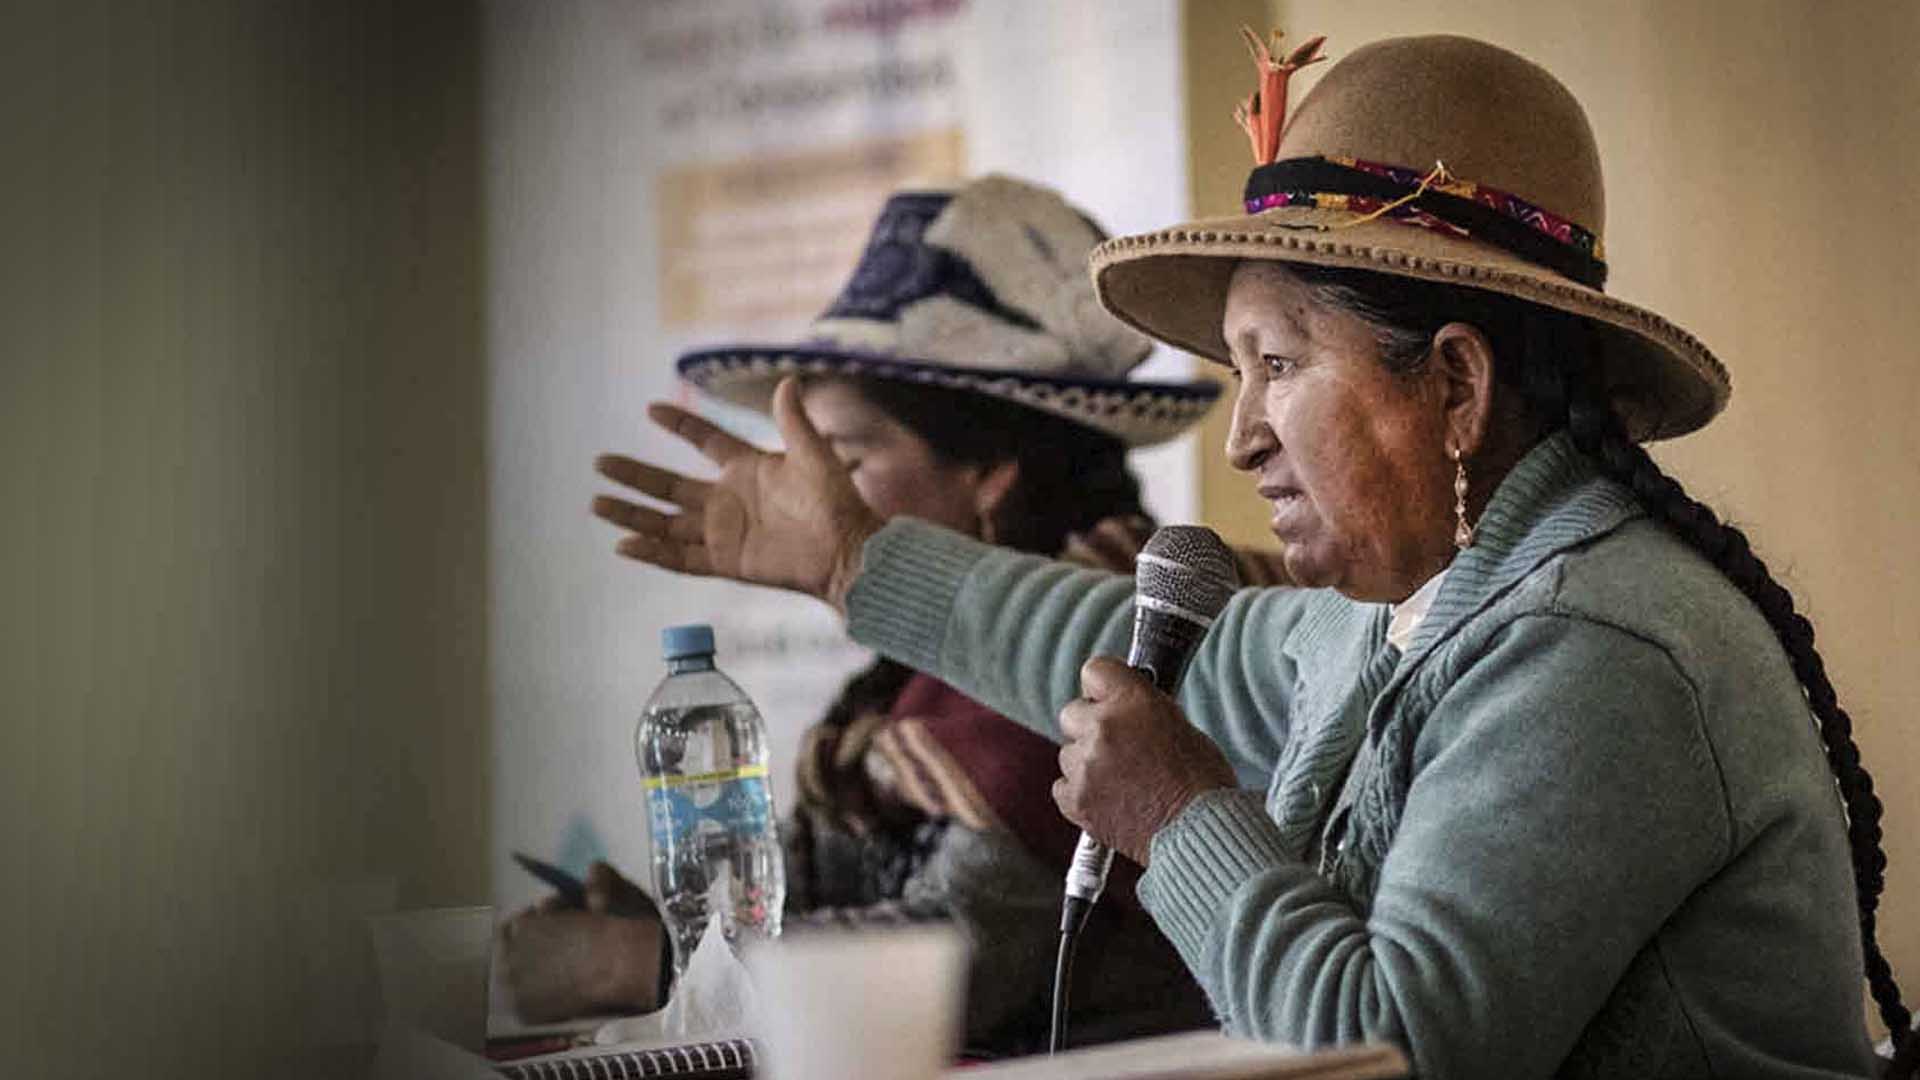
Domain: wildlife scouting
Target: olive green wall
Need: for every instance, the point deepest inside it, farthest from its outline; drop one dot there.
(242, 410)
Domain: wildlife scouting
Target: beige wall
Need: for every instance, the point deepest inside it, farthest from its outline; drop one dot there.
(1218, 161)
(1760, 161)
(242, 448)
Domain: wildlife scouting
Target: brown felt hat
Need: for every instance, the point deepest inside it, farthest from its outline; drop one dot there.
(1438, 158)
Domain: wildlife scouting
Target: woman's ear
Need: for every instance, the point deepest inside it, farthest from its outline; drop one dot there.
(995, 484)
(1462, 360)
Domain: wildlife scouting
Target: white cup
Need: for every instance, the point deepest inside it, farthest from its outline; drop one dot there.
(834, 1005)
(434, 971)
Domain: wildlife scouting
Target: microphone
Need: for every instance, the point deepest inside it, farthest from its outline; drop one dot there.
(1182, 578)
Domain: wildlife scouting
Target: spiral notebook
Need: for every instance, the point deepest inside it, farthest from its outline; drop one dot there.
(723, 1059)
(1199, 1054)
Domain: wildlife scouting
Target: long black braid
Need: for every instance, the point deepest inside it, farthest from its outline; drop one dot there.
(1551, 359)
(1596, 430)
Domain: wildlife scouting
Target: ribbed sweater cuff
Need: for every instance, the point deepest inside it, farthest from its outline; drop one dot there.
(1197, 863)
(910, 572)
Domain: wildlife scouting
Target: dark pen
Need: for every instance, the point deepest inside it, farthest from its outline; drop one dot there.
(571, 891)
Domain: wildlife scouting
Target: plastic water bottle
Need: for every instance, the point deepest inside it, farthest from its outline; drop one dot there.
(703, 760)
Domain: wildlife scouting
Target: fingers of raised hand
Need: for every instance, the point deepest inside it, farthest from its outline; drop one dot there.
(684, 556)
(674, 541)
(1075, 550)
(641, 519)
(796, 430)
(703, 435)
(653, 480)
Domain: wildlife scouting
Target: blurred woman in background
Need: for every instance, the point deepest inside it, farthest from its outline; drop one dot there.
(967, 377)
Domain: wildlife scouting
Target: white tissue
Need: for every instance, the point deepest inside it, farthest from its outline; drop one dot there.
(712, 999)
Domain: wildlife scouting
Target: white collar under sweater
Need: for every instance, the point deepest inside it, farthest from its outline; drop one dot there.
(1408, 614)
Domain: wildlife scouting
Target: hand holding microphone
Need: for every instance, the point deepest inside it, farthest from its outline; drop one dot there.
(1130, 761)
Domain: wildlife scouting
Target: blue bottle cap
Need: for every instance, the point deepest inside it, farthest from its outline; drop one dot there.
(694, 639)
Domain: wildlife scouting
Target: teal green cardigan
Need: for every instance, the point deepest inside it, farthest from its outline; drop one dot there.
(1582, 826)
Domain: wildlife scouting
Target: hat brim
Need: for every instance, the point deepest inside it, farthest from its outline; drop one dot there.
(1137, 412)
(1172, 285)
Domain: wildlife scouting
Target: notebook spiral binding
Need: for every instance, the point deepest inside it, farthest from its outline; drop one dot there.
(729, 1059)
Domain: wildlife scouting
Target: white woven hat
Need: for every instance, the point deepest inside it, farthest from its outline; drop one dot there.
(984, 288)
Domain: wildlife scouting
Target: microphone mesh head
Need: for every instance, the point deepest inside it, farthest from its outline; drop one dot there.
(1188, 566)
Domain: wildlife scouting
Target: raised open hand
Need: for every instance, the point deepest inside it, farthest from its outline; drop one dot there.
(790, 520)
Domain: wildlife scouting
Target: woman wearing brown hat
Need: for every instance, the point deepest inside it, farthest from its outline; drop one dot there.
(1553, 761)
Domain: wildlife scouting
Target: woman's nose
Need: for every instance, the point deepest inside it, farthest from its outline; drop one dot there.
(1250, 438)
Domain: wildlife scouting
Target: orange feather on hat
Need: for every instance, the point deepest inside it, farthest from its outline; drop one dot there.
(1264, 113)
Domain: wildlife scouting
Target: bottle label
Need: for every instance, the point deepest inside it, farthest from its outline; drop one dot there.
(720, 776)
(702, 808)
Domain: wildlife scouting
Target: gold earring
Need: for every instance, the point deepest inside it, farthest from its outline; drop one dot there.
(1462, 532)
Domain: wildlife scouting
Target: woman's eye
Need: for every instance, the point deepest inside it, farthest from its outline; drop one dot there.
(1277, 366)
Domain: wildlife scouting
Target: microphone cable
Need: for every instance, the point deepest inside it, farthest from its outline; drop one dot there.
(1073, 917)
(1183, 577)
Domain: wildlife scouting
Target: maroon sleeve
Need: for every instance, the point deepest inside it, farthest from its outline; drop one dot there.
(1011, 767)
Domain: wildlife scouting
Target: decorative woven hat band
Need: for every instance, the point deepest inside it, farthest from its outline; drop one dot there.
(1434, 200)
(899, 268)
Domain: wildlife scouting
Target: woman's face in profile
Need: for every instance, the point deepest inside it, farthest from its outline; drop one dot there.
(1351, 456)
(894, 470)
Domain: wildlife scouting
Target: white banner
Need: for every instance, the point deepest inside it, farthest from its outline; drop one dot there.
(677, 173)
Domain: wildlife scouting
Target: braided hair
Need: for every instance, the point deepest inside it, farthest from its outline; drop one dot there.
(1551, 360)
